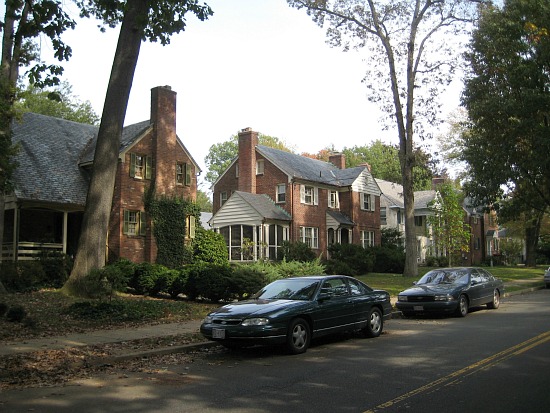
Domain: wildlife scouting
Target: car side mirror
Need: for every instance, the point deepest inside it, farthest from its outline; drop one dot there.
(324, 297)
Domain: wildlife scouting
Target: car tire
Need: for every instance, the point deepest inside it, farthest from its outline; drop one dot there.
(298, 336)
(496, 300)
(375, 323)
(462, 309)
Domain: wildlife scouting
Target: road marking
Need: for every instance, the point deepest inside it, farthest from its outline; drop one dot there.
(456, 376)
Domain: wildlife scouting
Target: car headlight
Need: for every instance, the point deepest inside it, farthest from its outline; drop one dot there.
(402, 298)
(446, 297)
(207, 320)
(255, 322)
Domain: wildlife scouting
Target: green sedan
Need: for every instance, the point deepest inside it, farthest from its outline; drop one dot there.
(292, 311)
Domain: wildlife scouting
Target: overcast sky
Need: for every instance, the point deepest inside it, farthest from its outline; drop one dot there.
(254, 63)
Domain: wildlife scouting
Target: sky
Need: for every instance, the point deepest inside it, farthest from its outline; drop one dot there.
(254, 63)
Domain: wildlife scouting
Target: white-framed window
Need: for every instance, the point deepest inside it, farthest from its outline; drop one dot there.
(140, 166)
(281, 193)
(367, 202)
(183, 173)
(223, 198)
(260, 167)
(134, 223)
(383, 217)
(367, 239)
(310, 236)
(309, 195)
(333, 199)
(190, 225)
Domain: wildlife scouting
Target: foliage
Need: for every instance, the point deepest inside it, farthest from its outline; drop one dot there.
(391, 237)
(3, 308)
(349, 259)
(203, 201)
(450, 234)
(413, 50)
(507, 98)
(209, 281)
(168, 215)
(56, 268)
(388, 259)
(296, 251)
(51, 269)
(209, 246)
(220, 155)
(58, 102)
(383, 160)
(247, 280)
(268, 269)
(300, 268)
(511, 249)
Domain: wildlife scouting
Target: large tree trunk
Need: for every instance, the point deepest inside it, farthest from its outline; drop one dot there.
(92, 243)
(532, 233)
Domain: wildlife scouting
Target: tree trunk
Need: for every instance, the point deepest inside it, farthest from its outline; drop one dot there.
(532, 233)
(93, 238)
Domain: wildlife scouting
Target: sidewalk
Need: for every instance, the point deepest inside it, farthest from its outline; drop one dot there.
(128, 334)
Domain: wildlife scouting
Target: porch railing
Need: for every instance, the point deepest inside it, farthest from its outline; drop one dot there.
(27, 250)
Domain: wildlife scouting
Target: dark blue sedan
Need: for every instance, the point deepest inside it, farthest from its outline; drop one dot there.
(292, 311)
(451, 290)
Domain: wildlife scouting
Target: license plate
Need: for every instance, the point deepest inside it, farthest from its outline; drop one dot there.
(218, 333)
(418, 308)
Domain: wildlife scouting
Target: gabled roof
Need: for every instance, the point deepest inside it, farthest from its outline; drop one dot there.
(393, 193)
(308, 169)
(248, 209)
(340, 217)
(51, 151)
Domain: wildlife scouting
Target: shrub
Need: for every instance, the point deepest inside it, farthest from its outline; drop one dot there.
(24, 276)
(56, 268)
(150, 279)
(297, 269)
(295, 251)
(389, 259)
(16, 314)
(246, 281)
(209, 246)
(209, 281)
(268, 269)
(3, 309)
(179, 283)
(358, 259)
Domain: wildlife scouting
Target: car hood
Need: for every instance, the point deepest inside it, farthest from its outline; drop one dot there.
(429, 289)
(257, 308)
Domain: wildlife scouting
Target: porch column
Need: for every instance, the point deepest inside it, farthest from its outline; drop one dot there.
(255, 241)
(65, 221)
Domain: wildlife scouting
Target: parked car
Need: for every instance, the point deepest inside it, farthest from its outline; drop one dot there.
(292, 311)
(451, 290)
(547, 277)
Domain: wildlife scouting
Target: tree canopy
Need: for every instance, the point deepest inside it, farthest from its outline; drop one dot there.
(507, 97)
(413, 49)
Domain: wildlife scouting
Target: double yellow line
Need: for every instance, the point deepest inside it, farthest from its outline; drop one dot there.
(467, 371)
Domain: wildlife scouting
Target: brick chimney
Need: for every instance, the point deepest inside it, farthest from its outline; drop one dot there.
(338, 160)
(248, 139)
(163, 118)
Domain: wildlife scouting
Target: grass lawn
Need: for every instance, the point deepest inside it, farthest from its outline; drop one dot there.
(515, 278)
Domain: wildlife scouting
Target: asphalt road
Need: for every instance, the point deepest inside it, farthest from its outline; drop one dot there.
(490, 361)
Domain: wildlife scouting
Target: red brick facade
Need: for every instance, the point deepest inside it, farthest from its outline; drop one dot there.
(160, 143)
(243, 176)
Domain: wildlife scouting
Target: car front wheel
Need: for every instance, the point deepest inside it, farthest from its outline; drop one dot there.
(496, 300)
(462, 309)
(298, 336)
(375, 323)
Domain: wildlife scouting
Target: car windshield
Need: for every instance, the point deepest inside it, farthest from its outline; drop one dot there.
(435, 277)
(289, 289)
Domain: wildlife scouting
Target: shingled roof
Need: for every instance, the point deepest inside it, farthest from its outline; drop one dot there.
(302, 167)
(264, 205)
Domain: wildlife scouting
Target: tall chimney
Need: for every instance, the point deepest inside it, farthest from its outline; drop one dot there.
(163, 118)
(248, 139)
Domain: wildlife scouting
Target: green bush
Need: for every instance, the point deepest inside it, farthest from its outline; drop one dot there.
(353, 258)
(3, 309)
(295, 251)
(388, 260)
(209, 246)
(212, 282)
(16, 314)
(56, 268)
(23, 276)
(179, 283)
(150, 279)
(246, 281)
(268, 269)
(297, 268)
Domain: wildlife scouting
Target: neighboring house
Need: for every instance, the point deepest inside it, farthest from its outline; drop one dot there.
(268, 196)
(484, 242)
(392, 214)
(51, 182)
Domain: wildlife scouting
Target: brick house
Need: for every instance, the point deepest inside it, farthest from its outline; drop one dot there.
(267, 196)
(55, 162)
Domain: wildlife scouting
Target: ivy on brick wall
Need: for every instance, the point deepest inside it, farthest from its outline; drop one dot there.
(168, 216)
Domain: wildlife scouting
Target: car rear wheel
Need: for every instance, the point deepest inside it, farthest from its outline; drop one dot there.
(375, 323)
(462, 309)
(298, 336)
(496, 300)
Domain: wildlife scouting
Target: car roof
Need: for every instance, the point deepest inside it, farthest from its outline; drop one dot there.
(317, 277)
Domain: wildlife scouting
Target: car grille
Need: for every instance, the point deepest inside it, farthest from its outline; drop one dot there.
(420, 298)
(227, 321)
